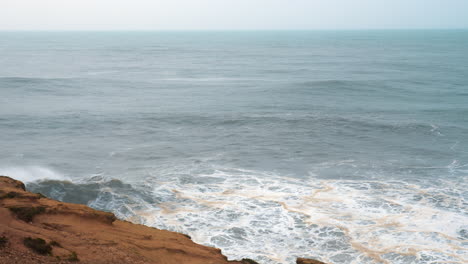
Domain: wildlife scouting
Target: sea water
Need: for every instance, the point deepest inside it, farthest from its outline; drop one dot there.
(344, 146)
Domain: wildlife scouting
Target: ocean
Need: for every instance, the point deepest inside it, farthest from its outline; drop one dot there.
(343, 146)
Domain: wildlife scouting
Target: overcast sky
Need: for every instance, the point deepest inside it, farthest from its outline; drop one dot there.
(230, 14)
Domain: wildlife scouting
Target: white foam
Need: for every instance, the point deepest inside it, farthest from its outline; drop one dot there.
(275, 219)
(32, 173)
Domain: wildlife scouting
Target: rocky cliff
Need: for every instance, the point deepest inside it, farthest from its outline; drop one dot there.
(35, 229)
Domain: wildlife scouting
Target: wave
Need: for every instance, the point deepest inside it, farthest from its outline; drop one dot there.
(34, 80)
(107, 195)
(32, 173)
(274, 219)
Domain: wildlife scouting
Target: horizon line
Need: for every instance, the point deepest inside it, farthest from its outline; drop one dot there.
(225, 30)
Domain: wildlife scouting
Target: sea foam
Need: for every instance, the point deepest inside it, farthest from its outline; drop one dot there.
(275, 219)
(32, 173)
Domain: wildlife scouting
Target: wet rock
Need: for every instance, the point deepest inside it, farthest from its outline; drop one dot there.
(249, 261)
(308, 261)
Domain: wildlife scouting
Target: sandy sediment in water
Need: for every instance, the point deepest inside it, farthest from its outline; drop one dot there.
(73, 233)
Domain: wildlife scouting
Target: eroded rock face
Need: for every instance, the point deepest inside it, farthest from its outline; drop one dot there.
(308, 261)
(30, 222)
(76, 232)
(7, 182)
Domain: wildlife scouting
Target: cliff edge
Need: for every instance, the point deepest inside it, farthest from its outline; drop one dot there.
(35, 229)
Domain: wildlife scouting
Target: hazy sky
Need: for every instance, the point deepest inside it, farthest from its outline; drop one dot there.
(230, 14)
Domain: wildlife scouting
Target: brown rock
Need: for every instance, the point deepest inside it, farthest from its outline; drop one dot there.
(308, 261)
(79, 233)
(249, 261)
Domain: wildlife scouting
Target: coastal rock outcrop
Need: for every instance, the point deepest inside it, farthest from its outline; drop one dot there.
(308, 261)
(36, 229)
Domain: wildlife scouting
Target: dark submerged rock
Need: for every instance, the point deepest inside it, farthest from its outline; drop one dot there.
(248, 261)
(308, 261)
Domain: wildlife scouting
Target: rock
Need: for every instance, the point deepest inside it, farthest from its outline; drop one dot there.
(308, 261)
(35, 229)
(38, 245)
(248, 261)
(3, 241)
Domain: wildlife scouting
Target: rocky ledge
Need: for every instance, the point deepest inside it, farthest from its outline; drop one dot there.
(35, 229)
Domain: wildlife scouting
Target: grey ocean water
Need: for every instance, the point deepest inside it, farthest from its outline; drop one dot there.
(345, 146)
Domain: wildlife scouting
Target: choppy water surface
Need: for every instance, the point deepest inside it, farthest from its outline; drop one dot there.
(349, 147)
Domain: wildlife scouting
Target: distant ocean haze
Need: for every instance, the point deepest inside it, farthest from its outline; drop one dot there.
(345, 146)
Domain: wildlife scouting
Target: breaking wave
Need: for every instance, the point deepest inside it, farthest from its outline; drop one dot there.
(274, 219)
(32, 173)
